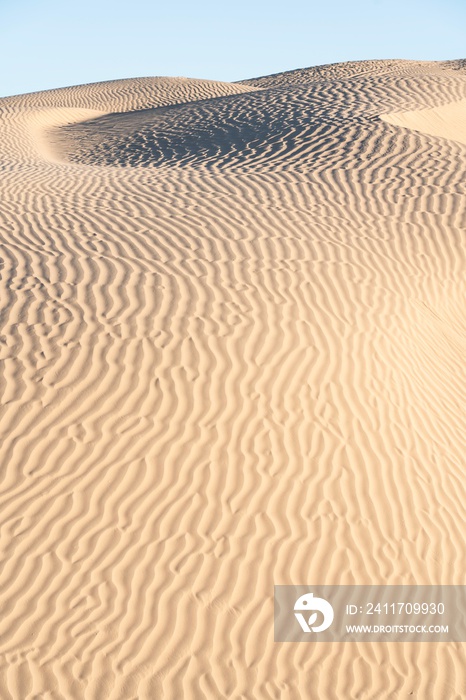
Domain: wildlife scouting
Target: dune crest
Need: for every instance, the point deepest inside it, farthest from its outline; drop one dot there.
(232, 340)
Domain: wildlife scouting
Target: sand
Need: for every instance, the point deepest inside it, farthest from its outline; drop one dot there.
(447, 121)
(232, 345)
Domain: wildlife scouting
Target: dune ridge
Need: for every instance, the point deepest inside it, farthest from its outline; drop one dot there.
(232, 343)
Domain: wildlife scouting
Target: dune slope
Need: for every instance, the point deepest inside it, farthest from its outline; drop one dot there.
(232, 342)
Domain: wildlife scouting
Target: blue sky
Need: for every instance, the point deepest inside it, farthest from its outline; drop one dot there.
(51, 43)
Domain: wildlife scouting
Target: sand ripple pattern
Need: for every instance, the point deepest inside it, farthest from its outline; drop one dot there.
(232, 341)
(326, 120)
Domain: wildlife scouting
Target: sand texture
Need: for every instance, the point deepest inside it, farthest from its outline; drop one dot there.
(232, 343)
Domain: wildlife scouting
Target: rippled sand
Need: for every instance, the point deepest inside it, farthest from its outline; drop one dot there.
(232, 341)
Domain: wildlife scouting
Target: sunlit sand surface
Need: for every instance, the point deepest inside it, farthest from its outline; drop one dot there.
(232, 341)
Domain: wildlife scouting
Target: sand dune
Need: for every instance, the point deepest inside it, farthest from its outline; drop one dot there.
(232, 344)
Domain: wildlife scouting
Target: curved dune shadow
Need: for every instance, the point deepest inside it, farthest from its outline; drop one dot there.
(243, 129)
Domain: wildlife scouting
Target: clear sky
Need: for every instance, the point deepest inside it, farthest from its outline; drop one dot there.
(55, 43)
